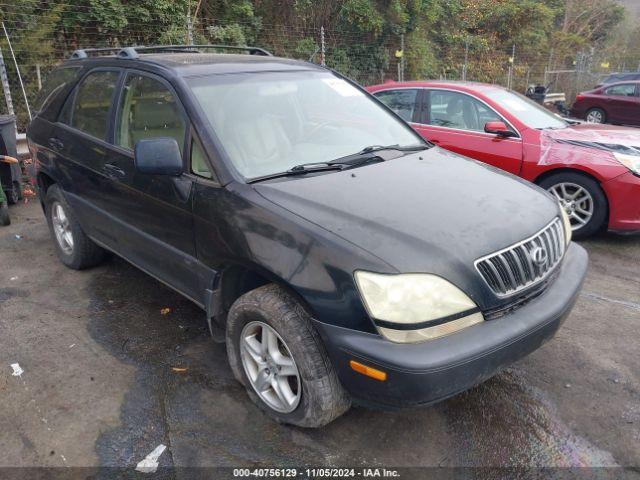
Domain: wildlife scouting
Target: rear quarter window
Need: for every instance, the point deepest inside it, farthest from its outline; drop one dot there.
(55, 83)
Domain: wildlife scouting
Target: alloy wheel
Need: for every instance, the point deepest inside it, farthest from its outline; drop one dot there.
(576, 201)
(270, 367)
(595, 116)
(62, 228)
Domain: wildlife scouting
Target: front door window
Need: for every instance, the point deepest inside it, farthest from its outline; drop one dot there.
(148, 109)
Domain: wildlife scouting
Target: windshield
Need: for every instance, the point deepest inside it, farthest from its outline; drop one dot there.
(270, 122)
(527, 111)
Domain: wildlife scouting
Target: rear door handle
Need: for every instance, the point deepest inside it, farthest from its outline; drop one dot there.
(113, 170)
(56, 143)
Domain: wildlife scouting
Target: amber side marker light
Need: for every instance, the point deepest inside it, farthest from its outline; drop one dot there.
(368, 371)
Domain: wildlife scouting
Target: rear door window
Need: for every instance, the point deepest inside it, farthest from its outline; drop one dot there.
(90, 112)
(403, 102)
(148, 109)
(622, 90)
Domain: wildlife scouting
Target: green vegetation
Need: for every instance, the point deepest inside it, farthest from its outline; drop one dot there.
(362, 36)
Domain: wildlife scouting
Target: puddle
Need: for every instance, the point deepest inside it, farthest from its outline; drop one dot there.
(506, 422)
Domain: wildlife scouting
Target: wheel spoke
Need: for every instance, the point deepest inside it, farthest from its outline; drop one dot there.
(554, 191)
(68, 238)
(576, 192)
(283, 390)
(582, 199)
(270, 343)
(254, 348)
(584, 212)
(288, 371)
(578, 218)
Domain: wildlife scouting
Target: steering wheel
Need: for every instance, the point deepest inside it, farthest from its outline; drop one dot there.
(318, 127)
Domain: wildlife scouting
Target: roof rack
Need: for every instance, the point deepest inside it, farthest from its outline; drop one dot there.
(86, 52)
(133, 52)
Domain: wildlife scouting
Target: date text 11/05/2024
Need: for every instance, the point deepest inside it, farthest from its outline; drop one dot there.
(323, 472)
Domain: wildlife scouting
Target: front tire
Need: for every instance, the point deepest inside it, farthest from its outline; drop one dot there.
(583, 200)
(74, 248)
(275, 352)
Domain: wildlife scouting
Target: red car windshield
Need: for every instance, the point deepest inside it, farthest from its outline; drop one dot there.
(527, 111)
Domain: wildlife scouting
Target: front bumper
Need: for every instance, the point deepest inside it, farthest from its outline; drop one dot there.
(623, 194)
(431, 371)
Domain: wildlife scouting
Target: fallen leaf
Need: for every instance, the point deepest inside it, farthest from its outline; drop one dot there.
(165, 311)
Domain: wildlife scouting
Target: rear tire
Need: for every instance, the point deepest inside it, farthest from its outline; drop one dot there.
(595, 115)
(322, 398)
(12, 194)
(17, 187)
(74, 248)
(569, 188)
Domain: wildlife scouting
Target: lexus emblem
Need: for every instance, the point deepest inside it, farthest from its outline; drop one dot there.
(538, 256)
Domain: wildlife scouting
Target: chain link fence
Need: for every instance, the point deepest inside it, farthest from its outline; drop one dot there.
(360, 57)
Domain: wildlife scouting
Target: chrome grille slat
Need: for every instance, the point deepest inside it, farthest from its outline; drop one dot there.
(513, 269)
(547, 245)
(519, 266)
(505, 264)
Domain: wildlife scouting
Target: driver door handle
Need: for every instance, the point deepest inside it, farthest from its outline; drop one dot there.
(113, 170)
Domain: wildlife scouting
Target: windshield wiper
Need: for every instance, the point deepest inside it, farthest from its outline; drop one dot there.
(364, 156)
(369, 154)
(301, 169)
(406, 148)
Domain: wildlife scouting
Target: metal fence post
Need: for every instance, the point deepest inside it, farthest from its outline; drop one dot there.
(466, 60)
(24, 92)
(401, 69)
(38, 76)
(512, 60)
(5, 85)
(189, 25)
(322, 47)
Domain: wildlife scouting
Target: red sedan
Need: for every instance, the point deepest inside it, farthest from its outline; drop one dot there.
(593, 170)
(614, 103)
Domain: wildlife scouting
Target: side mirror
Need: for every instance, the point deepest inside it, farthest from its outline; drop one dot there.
(158, 156)
(499, 129)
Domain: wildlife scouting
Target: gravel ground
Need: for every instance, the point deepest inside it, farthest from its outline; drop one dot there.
(99, 386)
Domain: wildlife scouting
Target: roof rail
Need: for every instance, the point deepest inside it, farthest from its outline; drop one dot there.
(86, 52)
(133, 52)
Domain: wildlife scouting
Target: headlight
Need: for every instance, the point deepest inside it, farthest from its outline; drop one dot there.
(566, 222)
(414, 307)
(632, 162)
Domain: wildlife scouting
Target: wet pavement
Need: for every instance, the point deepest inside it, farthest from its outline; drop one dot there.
(108, 376)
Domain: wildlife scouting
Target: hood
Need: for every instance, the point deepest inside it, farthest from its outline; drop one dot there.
(608, 134)
(431, 211)
(588, 143)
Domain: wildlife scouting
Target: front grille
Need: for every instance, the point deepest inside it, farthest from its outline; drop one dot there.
(526, 263)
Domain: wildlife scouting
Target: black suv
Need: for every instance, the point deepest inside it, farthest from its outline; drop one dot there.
(342, 256)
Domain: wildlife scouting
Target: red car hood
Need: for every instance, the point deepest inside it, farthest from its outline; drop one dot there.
(591, 132)
(588, 143)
